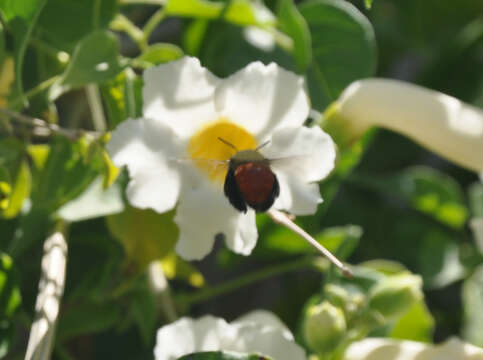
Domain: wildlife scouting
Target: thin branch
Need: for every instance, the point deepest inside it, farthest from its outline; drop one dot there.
(51, 289)
(283, 219)
(43, 128)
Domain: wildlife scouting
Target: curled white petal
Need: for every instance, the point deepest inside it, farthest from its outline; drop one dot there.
(439, 122)
(388, 349)
(145, 147)
(263, 98)
(180, 94)
(213, 334)
(259, 38)
(202, 214)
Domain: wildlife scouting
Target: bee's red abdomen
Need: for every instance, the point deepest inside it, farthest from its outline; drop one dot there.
(255, 181)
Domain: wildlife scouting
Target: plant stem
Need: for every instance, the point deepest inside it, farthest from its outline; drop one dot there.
(153, 21)
(160, 288)
(283, 219)
(95, 105)
(34, 91)
(208, 293)
(122, 23)
(51, 289)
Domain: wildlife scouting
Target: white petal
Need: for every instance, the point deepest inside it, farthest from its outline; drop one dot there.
(212, 334)
(259, 38)
(266, 319)
(307, 153)
(145, 146)
(270, 342)
(263, 98)
(187, 335)
(440, 122)
(180, 94)
(383, 349)
(204, 212)
(302, 156)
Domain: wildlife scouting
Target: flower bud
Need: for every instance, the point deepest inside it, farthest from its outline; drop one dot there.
(394, 295)
(324, 327)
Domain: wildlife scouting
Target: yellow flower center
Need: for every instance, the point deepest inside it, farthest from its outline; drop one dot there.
(209, 152)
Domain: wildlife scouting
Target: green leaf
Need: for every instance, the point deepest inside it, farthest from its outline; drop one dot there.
(9, 292)
(293, 24)
(241, 12)
(222, 355)
(16, 179)
(88, 318)
(194, 35)
(417, 324)
(21, 17)
(427, 190)
(20, 191)
(342, 240)
(93, 202)
(368, 4)
(476, 199)
(158, 54)
(143, 309)
(145, 234)
(10, 300)
(343, 47)
(472, 305)
(439, 259)
(95, 60)
(66, 173)
(59, 16)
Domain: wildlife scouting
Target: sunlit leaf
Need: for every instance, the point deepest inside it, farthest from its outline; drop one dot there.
(7, 77)
(417, 324)
(20, 191)
(294, 25)
(241, 12)
(343, 48)
(158, 54)
(145, 234)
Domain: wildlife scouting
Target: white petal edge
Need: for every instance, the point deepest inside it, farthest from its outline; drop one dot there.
(204, 212)
(180, 94)
(268, 319)
(262, 98)
(145, 147)
(302, 156)
(437, 121)
(213, 334)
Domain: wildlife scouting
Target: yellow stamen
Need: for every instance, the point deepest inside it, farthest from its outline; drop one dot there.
(205, 145)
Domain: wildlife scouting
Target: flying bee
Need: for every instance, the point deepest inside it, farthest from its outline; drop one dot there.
(250, 181)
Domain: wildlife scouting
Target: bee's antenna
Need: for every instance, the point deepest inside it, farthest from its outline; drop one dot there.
(228, 143)
(262, 145)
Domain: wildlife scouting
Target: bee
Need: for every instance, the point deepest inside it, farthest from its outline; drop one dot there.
(250, 182)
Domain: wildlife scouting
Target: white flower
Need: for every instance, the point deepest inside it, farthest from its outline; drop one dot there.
(437, 121)
(258, 332)
(186, 112)
(387, 349)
